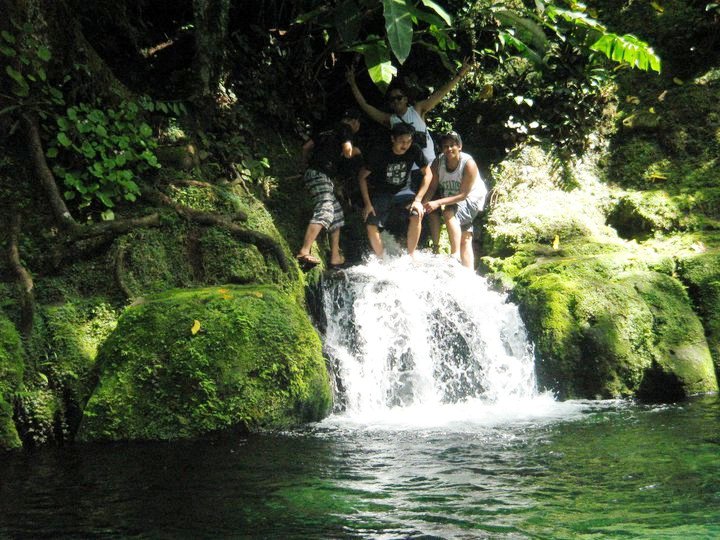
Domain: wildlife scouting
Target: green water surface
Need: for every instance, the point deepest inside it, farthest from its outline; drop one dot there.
(611, 470)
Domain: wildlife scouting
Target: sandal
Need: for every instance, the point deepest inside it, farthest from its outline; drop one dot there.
(307, 261)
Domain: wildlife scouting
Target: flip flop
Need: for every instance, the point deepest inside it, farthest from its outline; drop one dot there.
(307, 261)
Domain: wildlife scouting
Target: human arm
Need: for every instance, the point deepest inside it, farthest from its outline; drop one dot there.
(470, 173)
(362, 180)
(417, 204)
(373, 112)
(432, 188)
(307, 149)
(426, 105)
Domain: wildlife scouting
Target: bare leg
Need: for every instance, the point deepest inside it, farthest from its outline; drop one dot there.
(453, 228)
(335, 256)
(311, 234)
(375, 241)
(413, 234)
(467, 257)
(434, 224)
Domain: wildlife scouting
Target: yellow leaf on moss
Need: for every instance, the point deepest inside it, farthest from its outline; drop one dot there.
(556, 242)
(258, 294)
(195, 327)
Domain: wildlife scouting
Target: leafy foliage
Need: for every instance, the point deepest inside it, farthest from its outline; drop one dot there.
(99, 154)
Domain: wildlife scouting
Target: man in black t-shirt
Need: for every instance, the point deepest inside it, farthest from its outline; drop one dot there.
(385, 187)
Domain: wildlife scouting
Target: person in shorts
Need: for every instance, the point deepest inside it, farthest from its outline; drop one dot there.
(461, 194)
(385, 187)
(323, 155)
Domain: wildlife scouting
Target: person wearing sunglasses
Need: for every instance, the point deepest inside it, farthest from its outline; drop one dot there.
(402, 111)
(461, 191)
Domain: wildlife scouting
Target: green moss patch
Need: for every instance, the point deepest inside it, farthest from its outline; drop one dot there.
(191, 362)
(604, 326)
(11, 374)
(701, 274)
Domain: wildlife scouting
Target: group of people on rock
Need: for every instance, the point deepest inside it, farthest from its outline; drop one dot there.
(403, 177)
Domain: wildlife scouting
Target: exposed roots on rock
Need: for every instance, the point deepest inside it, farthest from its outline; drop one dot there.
(27, 300)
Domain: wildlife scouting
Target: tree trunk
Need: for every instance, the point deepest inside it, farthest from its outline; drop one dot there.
(211, 27)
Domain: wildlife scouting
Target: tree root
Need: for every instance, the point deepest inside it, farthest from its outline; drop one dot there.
(263, 242)
(27, 299)
(119, 268)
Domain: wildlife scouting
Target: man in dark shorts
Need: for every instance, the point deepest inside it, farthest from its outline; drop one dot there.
(385, 187)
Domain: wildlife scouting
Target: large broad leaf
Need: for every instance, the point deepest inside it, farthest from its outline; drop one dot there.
(576, 18)
(523, 50)
(380, 68)
(426, 16)
(399, 27)
(348, 17)
(527, 31)
(628, 49)
(439, 10)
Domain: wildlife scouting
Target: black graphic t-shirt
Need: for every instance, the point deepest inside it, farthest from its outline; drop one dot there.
(390, 172)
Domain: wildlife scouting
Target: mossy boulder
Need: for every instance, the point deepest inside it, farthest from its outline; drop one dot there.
(11, 374)
(187, 363)
(701, 274)
(604, 326)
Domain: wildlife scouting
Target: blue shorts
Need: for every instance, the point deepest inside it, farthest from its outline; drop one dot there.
(389, 205)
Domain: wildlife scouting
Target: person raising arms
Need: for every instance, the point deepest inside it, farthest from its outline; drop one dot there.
(403, 111)
(457, 180)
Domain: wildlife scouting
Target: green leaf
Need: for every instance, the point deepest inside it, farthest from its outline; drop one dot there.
(15, 75)
(105, 198)
(380, 68)
(439, 10)
(310, 15)
(63, 139)
(628, 49)
(348, 17)
(7, 51)
(107, 215)
(399, 28)
(7, 36)
(44, 54)
(526, 30)
(52, 152)
(145, 130)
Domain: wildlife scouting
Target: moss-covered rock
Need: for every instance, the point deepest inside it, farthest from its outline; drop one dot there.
(11, 374)
(701, 274)
(191, 362)
(604, 326)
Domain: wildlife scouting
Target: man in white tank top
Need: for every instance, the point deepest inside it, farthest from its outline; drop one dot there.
(461, 191)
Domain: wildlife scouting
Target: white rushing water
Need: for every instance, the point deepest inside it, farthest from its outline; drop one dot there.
(428, 343)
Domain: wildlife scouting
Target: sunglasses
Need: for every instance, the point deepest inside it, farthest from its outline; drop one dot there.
(397, 97)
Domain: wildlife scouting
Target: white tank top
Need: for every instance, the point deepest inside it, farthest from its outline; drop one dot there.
(449, 181)
(412, 117)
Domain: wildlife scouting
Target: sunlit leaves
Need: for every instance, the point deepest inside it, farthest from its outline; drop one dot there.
(628, 49)
(195, 327)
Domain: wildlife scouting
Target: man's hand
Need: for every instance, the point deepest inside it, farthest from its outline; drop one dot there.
(431, 206)
(367, 211)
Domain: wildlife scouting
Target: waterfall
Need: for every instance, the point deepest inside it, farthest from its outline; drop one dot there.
(423, 333)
